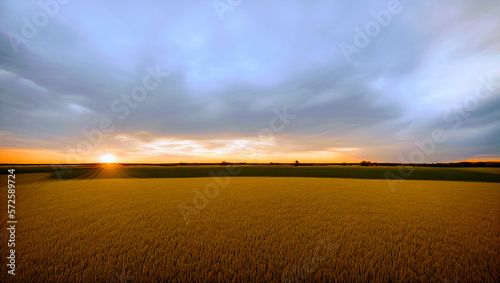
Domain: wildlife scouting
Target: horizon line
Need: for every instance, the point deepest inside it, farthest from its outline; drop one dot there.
(258, 163)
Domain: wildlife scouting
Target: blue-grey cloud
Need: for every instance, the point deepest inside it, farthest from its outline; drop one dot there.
(226, 76)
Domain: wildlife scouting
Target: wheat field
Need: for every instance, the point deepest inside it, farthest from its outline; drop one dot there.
(257, 229)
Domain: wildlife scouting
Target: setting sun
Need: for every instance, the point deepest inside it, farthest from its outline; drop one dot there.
(108, 158)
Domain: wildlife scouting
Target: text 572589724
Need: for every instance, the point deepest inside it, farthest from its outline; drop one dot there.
(11, 222)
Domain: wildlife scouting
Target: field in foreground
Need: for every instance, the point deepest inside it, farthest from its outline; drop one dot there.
(255, 229)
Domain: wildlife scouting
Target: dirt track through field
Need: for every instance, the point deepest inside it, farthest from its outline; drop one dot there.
(107, 171)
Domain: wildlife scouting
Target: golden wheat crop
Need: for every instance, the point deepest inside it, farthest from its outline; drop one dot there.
(256, 229)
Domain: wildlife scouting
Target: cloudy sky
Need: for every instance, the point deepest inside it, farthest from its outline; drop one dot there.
(267, 81)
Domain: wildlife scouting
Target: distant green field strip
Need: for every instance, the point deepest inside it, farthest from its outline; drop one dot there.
(354, 172)
(448, 174)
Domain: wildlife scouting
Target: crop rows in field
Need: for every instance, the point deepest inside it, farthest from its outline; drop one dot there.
(260, 229)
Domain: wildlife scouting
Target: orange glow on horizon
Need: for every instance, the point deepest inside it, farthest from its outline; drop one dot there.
(30, 156)
(44, 156)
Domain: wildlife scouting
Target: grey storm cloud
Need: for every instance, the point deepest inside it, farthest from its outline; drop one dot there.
(227, 75)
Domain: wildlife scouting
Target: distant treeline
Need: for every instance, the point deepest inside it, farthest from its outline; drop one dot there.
(363, 163)
(224, 163)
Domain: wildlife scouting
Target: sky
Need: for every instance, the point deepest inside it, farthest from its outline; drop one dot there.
(249, 81)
